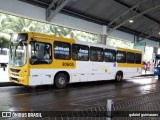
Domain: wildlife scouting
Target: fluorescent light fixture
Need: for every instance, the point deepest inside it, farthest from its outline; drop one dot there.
(131, 21)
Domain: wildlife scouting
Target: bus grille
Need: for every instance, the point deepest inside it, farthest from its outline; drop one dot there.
(14, 70)
(14, 79)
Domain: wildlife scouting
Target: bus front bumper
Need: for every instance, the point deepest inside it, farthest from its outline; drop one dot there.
(19, 80)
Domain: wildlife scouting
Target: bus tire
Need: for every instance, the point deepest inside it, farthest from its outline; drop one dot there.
(158, 77)
(61, 80)
(119, 76)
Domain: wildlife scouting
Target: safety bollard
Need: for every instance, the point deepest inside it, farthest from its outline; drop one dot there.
(109, 109)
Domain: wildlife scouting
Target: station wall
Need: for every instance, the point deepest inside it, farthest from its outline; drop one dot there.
(37, 13)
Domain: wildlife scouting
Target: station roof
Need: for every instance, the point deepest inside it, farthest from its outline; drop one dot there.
(138, 17)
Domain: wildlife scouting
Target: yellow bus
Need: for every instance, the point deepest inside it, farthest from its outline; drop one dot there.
(38, 59)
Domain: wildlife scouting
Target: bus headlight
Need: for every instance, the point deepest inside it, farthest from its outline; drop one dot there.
(21, 81)
(156, 70)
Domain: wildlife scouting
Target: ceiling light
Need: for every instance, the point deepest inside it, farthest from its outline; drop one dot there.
(159, 33)
(131, 21)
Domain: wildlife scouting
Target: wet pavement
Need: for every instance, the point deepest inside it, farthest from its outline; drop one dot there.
(74, 96)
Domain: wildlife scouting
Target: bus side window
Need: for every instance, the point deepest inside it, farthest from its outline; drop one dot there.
(96, 54)
(93, 54)
(109, 55)
(80, 52)
(121, 56)
(130, 57)
(138, 58)
(62, 50)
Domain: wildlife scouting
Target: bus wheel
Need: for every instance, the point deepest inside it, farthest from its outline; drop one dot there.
(61, 80)
(119, 77)
(158, 77)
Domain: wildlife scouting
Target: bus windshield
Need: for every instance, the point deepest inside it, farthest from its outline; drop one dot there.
(17, 53)
(157, 63)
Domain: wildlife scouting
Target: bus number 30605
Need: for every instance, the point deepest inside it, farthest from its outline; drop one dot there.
(67, 64)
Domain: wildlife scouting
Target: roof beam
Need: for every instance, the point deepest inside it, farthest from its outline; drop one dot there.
(144, 36)
(51, 5)
(128, 6)
(90, 18)
(131, 14)
(56, 6)
(149, 33)
(148, 36)
(101, 22)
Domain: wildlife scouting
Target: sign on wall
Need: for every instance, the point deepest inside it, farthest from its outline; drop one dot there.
(140, 44)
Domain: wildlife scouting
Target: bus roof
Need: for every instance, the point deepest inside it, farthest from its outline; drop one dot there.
(130, 50)
(35, 34)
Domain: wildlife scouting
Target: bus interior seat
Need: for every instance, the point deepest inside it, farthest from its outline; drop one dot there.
(40, 56)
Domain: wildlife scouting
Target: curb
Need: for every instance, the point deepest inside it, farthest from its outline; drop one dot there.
(4, 84)
(147, 75)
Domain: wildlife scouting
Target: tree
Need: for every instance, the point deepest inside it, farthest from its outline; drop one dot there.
(5, 27)
(18, 24)
(4, 42)
(13, 24)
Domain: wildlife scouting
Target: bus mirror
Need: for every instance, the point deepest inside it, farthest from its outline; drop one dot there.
(29, 49)
(4, 68)
(20, 43)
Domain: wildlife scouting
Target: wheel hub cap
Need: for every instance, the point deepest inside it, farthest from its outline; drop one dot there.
(61, 80)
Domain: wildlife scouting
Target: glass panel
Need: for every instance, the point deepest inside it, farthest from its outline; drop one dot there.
(40, 53)
(138, 58)
(130, 57)
(80, 52)
(117, 42)
(110, 55)
(121, 57)
(96, 54)
(62, 50)
(157, 63)
(17, 56)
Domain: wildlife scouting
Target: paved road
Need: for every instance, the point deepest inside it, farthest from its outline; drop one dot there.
(74, 96)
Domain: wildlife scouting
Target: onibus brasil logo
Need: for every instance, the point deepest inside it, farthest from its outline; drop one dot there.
(21, 114)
